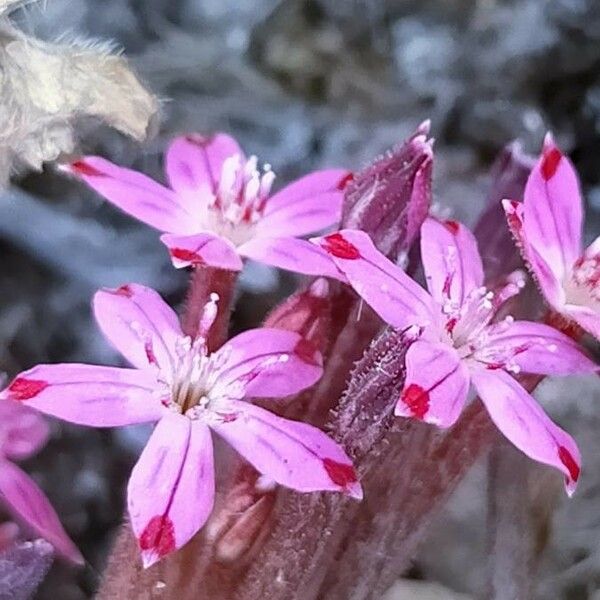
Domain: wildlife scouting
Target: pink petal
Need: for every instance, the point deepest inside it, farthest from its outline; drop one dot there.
(436, 385)
(269, 363)
(28, 504)
(521, 419)
(296, 455)
(139, 324)
(202, 249)
(194, 162)
(172, 487)
(88, 394)
(398, 299)
(553, 210)
(534, 348)
(22, 431)
(308, 205)
(133, 193)
(550, 285)
(451, 260)
(585, 317)
(291, 254)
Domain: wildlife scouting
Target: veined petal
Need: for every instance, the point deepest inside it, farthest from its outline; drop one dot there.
(194, 162)
(522, 420)
(451, 261)
(307, 205)
(398, 299)
(534, 348)
(437, 384)
(88, 394)
(171, 491)
(269, 362)
(547, 279)
(553, 210)
(139, 324)
(28, 504)
(202, 249)
(296, 455)
(133, 192)
(291, 254)
(22, 431)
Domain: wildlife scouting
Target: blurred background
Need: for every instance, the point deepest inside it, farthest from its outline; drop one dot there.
(303, 84)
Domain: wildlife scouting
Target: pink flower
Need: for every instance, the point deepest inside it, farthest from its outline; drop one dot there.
(218, 207)
(190, 392)
(22, 434)
(457, 341)
(547, 227)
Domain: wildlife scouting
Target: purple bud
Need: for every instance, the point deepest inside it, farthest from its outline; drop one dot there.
(390, 198)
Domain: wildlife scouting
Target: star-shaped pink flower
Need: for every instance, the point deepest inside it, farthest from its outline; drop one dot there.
(457, 341)
(191, 393)
(218, 208)
(548, 228)
(22, 434)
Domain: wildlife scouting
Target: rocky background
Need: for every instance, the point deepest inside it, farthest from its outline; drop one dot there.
(302, 84)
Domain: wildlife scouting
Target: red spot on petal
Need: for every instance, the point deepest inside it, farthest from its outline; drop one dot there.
(227, 417)
(25, 389)
(566, 458)
(83, 168)
(345, 181)
(452, 226)
(417, 400)
(337, 245)
(158, 536)
(124, 290)
(514, 221)
(550, 162)
(451, 324)
(186, 255)
(341, 474)
(150, 353)
(199, 140)
(306, 351)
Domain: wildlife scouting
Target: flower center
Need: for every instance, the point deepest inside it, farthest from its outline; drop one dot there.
(583, 286)
(240, 198)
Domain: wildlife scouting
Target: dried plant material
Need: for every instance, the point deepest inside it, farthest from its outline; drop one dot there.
(48, 87)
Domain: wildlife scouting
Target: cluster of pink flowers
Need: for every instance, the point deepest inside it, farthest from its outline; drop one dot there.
(218, 210)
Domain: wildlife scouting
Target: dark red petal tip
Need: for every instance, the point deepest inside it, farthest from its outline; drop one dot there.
(25, 389)
(124, 290)
(452, 226)
(566, 458)
(85, 169)
(158, 536)
(186, 255)
(417, 400)
(199, 139)
(550, 162)
(337, 245)
(307, 352)
(345, 181)
(341, 474)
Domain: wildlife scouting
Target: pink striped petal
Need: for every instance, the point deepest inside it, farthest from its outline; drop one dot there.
(28, 504)
(553, 210)
(269, 363)
(202, 249)
(296, 455)
(88, 394)
(550, 285)
(436, 385)
(291, 254)
(139, 324)
(522, 420)
(22, 431)
(451, 261)
(171, 491)
(534, 348)
(194, 162)
(308, 205)
(398, 299)
(132, 192)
